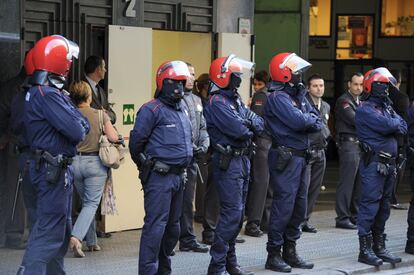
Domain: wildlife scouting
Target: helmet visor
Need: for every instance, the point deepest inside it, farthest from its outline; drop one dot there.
(178, 70)
(238, 65)
(295, 63)
(73, 50)
(383, 75)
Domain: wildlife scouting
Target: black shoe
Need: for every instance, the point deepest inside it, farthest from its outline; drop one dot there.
(346, 224)
(253, 230)
(218, 273)
(398, 206)
(380, 250)
(275, 262)
(309, 228)
(353, 220)
(208, 237)
(409, 247)
(101, 234)
(236, 270)
(291, 257)
(195, 247)
(366, 255)
(239, 239)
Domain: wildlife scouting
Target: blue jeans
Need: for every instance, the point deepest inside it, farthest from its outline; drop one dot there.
(90, 176)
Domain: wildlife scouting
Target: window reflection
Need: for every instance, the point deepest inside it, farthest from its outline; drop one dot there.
(354, 37)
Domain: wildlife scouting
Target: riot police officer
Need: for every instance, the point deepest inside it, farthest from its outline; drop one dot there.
(54, 127)
(377, 125)
(289, 118)
(161, 146)
(231, 127)
(409, 247)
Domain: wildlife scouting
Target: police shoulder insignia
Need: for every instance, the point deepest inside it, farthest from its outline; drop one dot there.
(258, 102)
(346, 105)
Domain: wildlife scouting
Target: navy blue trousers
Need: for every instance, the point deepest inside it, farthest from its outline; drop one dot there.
(290, 193)
(231, 187)
(374, 206)
(163, 198)
(49, 238)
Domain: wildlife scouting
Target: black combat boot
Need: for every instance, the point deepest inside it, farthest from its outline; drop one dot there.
(292, 258)
(275, 262)
(380, 250)
(366, 255)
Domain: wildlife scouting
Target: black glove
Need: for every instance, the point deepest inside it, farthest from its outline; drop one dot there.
(248, 123)
(198, 152)
(383, 168)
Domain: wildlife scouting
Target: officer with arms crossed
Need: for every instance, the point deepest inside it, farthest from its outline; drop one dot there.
(377, 126)
(161, 146)
(231, 127)
(54, 127)
(289, 118)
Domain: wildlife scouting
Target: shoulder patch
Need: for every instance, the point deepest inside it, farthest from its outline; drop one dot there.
(345, 105)
(258, 103)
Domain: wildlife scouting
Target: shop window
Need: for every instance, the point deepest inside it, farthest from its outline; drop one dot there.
(354, 37)
(320, 18)
(397, 18)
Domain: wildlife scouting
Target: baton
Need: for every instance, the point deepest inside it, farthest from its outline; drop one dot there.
(199, 173)
(16, 195)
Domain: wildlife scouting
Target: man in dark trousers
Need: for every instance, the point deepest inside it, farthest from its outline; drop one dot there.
(318, 143)
(95, 70)
(348, 188)
(201, 142)
(400, 103)
(11, 229)
(259, 185)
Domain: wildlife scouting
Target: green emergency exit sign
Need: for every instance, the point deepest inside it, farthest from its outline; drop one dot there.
(128, 114)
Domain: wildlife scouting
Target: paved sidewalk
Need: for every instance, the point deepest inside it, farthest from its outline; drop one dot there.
(334, 251)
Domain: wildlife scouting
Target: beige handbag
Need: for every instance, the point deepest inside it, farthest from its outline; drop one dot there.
(110, 154)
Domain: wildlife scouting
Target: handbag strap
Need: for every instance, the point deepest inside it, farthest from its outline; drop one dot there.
(101, 127)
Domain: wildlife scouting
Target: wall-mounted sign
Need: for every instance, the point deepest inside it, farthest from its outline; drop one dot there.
(128, 114)
(244, 26)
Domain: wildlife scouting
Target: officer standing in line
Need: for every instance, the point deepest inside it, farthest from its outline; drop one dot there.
(161, 146)
(318, 142)
(258, 188)
(377, 126)
(201, 142)
(231, 127)
(409, 247)
(54, 127)
(289, 118)
(12, 211)
(19, 131)
(348, 188)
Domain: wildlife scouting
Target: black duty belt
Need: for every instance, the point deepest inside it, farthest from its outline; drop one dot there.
(88, 153)
(295, 152)
(390, 161)
(348, 138)
(316, 148)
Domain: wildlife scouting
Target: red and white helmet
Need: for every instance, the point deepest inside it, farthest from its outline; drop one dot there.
(283, 65)
(54, 54)
(223, 67)
(28, 63)
(378, 75)
(175, 70)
